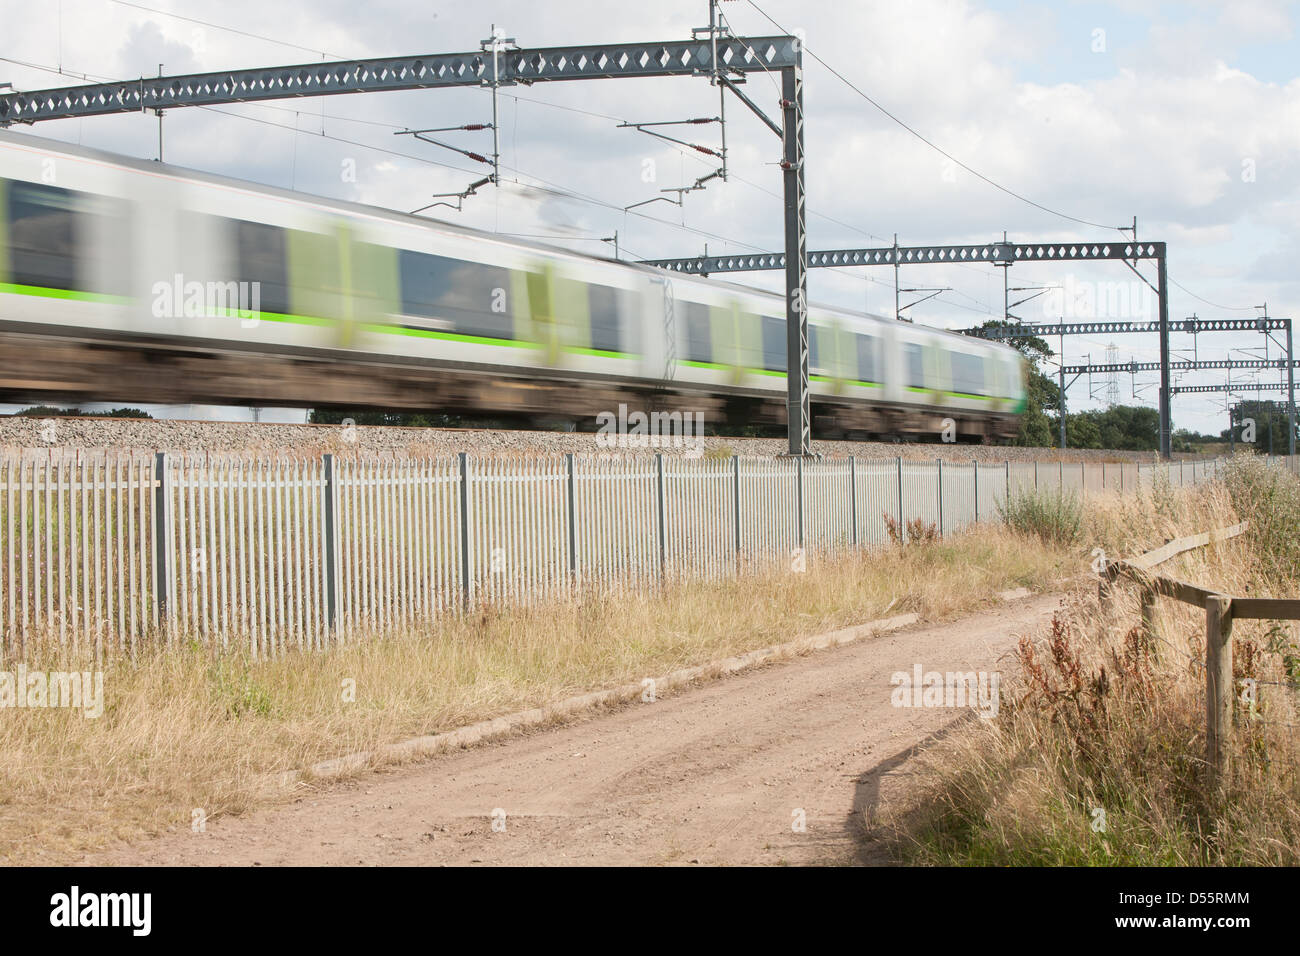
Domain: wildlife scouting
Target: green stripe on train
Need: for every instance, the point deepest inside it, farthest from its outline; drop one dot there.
(14, 288)
(289, 318)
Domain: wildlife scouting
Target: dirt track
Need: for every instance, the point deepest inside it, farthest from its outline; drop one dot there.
(711, 775)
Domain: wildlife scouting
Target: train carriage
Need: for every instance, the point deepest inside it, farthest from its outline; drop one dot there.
(126, 280)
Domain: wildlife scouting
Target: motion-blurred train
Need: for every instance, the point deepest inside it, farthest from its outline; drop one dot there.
(133, 281)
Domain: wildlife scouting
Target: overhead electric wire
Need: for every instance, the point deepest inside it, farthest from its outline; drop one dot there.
(973, 172)
(996, 185)
(1226, 308)
(722, 20)
(218, 26)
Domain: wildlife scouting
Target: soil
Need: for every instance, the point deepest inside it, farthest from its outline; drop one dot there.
(718, 773)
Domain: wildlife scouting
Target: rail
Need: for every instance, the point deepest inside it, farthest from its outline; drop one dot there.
(1220, 611)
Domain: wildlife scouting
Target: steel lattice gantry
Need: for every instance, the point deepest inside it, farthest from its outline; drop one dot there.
(1180, 366)
(1232, 387)
(993, 253)
(1164, 366)
(594, 62)
(1112, 328)
(727, 57)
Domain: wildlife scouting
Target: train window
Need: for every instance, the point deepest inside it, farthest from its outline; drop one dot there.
(866, 345)
(699, 344)
(43, 237)
(61, 239)
(261, 257)
(472, 297)
(914, 365)
(968, 374)
(608, 308)
(774, 344)
(815, 352)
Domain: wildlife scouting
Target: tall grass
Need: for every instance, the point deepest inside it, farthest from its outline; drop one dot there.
(1269, 498)
(1098, 754)
(1055, 517)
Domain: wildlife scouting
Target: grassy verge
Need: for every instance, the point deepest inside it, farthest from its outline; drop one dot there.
(1097, 755)
(184, 729)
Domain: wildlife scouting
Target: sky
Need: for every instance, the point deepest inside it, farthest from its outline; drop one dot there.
(1083, 115)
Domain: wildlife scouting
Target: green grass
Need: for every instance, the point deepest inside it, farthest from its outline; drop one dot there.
(1055, 517)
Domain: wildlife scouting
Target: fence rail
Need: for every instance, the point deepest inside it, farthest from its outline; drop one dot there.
(108, 550)
(1220, 611)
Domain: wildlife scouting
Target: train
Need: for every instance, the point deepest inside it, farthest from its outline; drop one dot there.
(126, 280)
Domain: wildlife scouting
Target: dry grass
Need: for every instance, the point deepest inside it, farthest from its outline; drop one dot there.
(1100, 719)
(184, 729)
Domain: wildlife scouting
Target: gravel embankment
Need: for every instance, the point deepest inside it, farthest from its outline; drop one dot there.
(147, 436)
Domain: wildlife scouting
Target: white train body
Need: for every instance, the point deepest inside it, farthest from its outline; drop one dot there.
(125, 280)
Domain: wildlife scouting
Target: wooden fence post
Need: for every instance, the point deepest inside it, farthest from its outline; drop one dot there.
(1148, 599)
(1218, 685)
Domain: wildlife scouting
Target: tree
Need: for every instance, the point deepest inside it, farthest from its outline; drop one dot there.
(1035, 427)
(1261, 425)
(1083, 430)
(49, 411)
(1129, 427)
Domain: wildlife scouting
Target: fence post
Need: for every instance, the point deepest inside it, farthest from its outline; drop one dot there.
(1218, 685)
(1106, 585)
(1148, 601)
(853, 496)
(162, 532)
(573, 518)
(659, 494)
(1083, 478)
(1006, 499)
(975, 470)
(902, 524)
(464, 531)
(1035, 475)
(735, 500)
(799, 494)
(940, 463)
(331, 550)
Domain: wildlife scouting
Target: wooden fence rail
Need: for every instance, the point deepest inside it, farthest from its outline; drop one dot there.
(1220, 611)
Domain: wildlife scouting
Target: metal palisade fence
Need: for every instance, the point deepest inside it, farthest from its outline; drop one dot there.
(104, 550)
